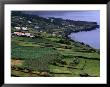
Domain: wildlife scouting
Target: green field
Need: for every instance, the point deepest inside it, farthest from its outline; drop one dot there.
(53, 56)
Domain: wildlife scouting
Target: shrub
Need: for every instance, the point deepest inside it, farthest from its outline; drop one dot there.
(74, 62)
(63, 41)
(84, 75)
(41, 63)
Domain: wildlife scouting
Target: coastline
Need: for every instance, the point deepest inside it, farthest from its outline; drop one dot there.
(70, 32)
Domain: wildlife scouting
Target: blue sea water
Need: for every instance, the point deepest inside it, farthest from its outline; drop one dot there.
(91, 38)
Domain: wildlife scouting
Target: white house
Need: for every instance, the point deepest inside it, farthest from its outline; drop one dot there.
(24, 28)
(36, 27)
(52, 20)
(20, 18)
(23, 34)
(29, 22)
(19, 33)
(28, 34)
(17, 28)
(32, 36)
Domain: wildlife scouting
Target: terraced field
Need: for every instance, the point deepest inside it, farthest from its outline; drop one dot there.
(52, 56)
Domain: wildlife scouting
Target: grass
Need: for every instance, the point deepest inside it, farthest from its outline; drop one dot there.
(38, 53)
(21, 50)
(92, 68)
(22, 74)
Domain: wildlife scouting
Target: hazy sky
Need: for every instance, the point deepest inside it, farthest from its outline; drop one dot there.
(42, 13)
(83, 15)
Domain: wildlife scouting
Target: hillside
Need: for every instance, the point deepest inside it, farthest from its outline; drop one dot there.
(49, 53)
(50, 24)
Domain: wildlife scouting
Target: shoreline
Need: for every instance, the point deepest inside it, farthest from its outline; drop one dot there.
(88, 29)
(83, 43)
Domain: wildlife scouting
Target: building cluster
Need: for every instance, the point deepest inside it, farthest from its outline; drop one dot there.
(22, 31)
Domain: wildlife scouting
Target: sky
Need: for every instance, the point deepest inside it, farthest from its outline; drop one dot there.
(83, 15)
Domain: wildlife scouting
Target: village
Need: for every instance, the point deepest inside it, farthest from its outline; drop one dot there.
(22, 23)
(22, 31)
(25, 32)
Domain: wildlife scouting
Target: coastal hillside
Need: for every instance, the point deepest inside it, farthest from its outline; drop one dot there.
(50, 24)
(40, 47)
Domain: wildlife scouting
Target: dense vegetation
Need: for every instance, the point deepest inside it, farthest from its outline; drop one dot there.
(50, 24)
(48, 54)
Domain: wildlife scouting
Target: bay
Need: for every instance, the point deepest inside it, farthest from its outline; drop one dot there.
(91, 38)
